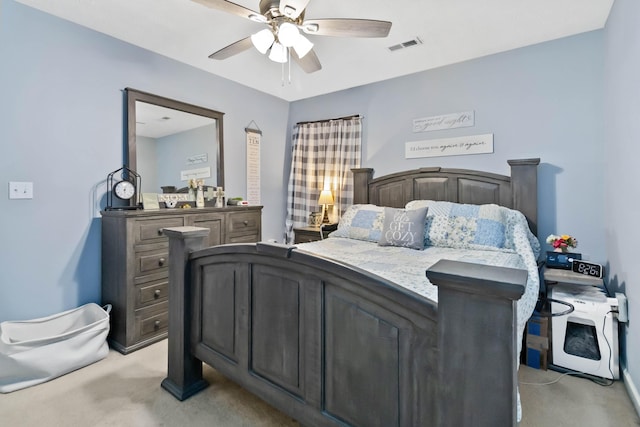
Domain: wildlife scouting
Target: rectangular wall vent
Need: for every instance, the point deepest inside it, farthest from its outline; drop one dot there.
(403, 45)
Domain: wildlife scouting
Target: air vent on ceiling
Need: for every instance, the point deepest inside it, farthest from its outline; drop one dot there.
(403, 45)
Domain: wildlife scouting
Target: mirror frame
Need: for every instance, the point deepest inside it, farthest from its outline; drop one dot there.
(134, 95)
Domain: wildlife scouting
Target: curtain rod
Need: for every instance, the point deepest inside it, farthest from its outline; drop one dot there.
(355, 116)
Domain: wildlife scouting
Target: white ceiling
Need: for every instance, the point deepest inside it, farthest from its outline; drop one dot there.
(154, 121)
(451, 30)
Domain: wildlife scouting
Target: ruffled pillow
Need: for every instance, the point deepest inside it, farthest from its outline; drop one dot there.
(465, 226)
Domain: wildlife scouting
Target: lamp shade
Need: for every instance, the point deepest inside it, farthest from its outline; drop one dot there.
(288, 34)
(263, 40)
(325, 198)
(302, 46)
(278, 53)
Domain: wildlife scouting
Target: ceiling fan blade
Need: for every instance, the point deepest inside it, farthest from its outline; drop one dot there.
(232, 49)
(235, 9)
(309, 63)
(293, 8)
(346, 27)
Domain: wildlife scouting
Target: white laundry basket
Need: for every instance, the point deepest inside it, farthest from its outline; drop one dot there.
(38, 350)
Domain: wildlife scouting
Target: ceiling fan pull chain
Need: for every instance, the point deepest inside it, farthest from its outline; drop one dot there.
(282, 74)
(289, 63)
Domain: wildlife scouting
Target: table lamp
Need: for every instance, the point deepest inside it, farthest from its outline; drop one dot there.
(325, 199)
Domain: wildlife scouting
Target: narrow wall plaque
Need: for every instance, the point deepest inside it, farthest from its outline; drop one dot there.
(444, 121)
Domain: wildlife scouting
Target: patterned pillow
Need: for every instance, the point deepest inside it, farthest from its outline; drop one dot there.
(361, 222)
(403, 227)
(466, 226)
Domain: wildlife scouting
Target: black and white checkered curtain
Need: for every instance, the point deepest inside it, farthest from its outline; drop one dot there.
(323, 155)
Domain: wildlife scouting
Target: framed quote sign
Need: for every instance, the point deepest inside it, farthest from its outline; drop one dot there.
(475, 144)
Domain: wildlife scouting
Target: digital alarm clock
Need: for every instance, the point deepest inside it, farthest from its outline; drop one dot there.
(587, 268)
(561, 260)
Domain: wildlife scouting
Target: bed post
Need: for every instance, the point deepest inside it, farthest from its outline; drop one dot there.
(361, 179)
(184, 373)
(524, 188)
(477, 324)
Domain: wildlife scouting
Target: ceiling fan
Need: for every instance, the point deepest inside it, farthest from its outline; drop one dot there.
(285, 19)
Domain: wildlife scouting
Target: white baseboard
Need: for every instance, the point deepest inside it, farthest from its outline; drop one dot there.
(631, 389)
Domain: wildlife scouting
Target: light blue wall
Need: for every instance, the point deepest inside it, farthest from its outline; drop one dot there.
(540, 101)
(622, 151)
(61, 127)
(146, 162)
(173, 151)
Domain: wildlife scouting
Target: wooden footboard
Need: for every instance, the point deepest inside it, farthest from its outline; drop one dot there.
(332, 345)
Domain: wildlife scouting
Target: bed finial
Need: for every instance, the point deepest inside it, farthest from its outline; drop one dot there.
(524, 182)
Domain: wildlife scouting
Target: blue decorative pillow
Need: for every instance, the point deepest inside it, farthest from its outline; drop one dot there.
(403, 227)
(361, 222)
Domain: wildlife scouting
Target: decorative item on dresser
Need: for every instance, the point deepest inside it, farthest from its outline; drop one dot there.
(135, 260)
(124, 184)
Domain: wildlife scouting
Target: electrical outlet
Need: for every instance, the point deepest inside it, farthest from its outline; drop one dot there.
(21, 190)
(623, 314)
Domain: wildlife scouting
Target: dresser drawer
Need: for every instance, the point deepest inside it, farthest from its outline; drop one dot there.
(152, 292)
(244, 238)
(152, 261)
(242, 223)
(151, 321)
(150, 230)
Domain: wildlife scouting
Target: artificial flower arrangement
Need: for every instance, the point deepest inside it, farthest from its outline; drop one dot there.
(195, 183)
(562, 243)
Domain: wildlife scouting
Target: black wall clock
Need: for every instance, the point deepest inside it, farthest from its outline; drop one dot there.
(125, 185)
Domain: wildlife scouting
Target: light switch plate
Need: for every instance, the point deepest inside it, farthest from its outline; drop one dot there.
(21, 190)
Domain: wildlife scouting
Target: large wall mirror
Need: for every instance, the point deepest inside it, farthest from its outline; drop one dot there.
(170, 142)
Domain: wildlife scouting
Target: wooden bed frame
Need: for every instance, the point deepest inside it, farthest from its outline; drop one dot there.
(332, 345)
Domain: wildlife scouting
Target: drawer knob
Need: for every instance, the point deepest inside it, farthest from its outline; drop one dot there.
(245, 222)
(160, 231)
(161, 262)
(156, 324)
(157, 293)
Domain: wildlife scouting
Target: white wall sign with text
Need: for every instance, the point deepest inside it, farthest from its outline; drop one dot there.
(195, 173)
(198, 158)
(475, 144)
(444, 121)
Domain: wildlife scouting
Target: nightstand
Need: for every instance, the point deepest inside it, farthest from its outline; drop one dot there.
(554, 276)
(311, 234)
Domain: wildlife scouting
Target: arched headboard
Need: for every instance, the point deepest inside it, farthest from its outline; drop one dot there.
(518, 191)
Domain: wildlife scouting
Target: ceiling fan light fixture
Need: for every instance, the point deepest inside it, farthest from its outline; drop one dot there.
(302, 46)
(278, 53)
(262, 40)
(288, 34)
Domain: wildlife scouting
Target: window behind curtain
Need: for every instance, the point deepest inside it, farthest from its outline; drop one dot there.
(323, 154)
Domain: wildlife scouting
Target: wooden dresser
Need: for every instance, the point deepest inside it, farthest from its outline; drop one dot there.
(135, 264)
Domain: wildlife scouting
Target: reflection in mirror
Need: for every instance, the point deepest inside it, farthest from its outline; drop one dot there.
(170, 142)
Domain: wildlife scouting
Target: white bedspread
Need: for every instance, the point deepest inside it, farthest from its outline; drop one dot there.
(407, 267)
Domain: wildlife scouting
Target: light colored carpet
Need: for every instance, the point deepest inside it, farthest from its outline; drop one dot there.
(125, 391)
